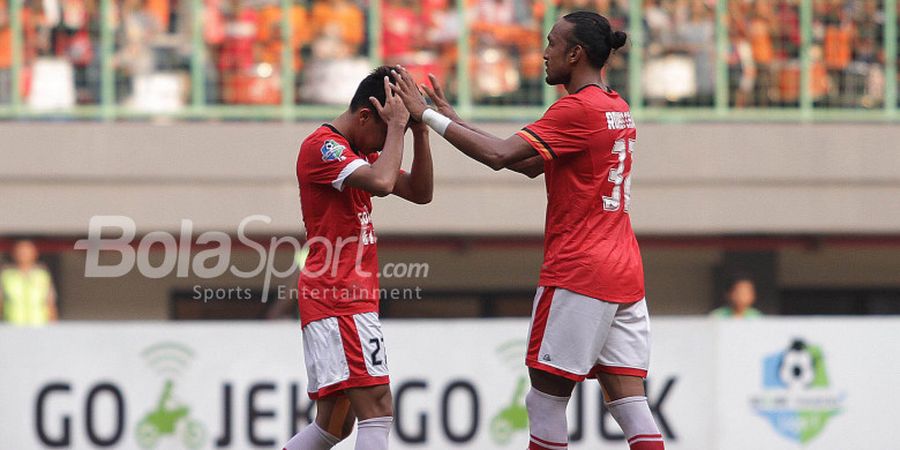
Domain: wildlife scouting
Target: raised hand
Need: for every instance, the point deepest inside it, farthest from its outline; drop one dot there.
(436, 93)
(393, 112)
(408, 91)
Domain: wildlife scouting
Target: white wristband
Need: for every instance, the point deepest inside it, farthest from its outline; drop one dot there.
(437, 121)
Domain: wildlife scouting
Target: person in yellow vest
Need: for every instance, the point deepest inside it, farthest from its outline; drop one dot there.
(27, 295)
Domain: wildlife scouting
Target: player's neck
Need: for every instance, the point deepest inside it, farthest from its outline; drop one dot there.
(343, 125)
(580, 80)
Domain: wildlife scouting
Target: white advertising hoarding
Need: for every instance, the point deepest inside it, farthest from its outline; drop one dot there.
(456, 384)
(808, 384)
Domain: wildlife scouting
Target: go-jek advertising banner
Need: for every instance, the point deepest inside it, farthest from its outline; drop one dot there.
(768, 384)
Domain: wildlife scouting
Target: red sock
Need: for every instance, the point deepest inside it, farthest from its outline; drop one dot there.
(540, 444)
(646, 442)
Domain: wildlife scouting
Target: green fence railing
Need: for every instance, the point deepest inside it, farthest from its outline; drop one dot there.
(806, 60)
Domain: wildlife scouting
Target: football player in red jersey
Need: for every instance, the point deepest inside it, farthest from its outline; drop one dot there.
(339, 167)
(590, 316)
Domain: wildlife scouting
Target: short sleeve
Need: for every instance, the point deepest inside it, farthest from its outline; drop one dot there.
(328, 161)
(562, 130)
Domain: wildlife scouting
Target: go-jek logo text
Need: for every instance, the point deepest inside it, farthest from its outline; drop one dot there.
(798, 399)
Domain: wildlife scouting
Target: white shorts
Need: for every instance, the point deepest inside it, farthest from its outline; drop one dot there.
(575, 336)
(344, 352)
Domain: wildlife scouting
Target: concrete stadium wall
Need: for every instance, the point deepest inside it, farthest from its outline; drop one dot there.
(689, 179)
(679, 281)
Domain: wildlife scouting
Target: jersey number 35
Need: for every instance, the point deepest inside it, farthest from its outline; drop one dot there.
(623, 150)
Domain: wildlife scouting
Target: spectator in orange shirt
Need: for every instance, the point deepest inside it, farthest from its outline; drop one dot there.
(505, 33)
(159, 9)
(837, 49)
(31, 43)
(339, 29)
(838, 36)
(5, 54)
(270, 37)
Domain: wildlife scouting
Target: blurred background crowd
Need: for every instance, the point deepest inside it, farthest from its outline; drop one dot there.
(152, 50)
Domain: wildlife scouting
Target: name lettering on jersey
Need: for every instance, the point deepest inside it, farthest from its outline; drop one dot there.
(367, 230)
(616, 120)
(332, 151)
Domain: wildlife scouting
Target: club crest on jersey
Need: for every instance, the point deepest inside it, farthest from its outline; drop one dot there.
(332, 151)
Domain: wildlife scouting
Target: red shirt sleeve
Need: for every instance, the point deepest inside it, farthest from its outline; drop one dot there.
(562, 130)
(327, 160)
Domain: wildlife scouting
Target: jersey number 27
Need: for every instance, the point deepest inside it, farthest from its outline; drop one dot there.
(623, 150)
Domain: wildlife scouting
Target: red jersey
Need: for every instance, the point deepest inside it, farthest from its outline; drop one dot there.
(587, 140)
(340, 275)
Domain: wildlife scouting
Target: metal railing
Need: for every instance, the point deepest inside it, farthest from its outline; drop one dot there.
(806, 105)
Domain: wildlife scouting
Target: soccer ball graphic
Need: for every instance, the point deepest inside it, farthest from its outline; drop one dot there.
(797, 370)
(332, 151)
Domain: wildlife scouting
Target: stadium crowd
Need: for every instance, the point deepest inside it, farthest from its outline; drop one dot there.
(244, 42)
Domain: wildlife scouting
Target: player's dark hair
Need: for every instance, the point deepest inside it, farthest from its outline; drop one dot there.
(371, 86)
(594, 33)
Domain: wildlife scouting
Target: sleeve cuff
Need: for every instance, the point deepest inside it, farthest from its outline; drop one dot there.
(537, 143)
(338, 182)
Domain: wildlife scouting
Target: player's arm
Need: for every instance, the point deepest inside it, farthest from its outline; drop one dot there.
(489, 150)
(481, 146)
(531, 167)
(380, 177)
(417, 186)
